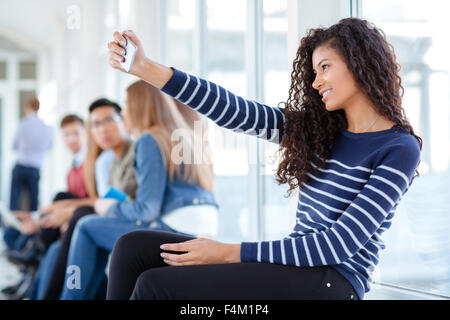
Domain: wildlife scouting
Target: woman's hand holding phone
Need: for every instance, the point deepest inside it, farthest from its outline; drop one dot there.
(117, 52)
(144, 68)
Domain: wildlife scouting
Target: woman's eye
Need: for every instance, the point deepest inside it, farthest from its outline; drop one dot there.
(325, 66)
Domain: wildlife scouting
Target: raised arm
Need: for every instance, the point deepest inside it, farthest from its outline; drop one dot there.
(220, 105)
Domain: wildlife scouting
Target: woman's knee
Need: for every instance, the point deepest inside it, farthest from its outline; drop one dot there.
(137, 244)
(127, 243)
(125, 259)
(151, 239)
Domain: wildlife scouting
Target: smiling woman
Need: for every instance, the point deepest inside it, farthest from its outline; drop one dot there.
(345, 80)
(339, 85)
(355, 61)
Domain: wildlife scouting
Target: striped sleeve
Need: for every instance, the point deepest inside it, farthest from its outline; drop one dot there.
(226, 109)
(357, 224)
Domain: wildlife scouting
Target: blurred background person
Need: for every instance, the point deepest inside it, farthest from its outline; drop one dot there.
(33, 139)
(173, 195)
(74, 137)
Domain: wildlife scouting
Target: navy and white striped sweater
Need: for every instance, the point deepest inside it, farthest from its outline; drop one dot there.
(345, 207)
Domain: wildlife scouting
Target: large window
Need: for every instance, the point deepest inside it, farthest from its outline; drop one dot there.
(3, 71)
(180, 33)
(418, 247)
(219, 40)
(226, 25)
(277, 222)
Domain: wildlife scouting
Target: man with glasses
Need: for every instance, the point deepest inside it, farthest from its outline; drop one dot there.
(108, 132)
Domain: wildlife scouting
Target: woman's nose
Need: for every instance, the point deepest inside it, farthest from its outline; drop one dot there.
(317, 83)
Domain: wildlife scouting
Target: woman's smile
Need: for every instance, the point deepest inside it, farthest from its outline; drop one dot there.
(326, 94)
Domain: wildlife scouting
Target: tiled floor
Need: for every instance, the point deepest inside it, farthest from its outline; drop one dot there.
(9, 273)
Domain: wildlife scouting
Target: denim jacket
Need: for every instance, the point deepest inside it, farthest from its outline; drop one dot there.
(156, 195)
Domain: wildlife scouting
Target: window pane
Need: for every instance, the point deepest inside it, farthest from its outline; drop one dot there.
(2, 70)
(277, 215)
(227, 23)
(225, 37)
(417, 251)
(180, 33)
(275, 63)
(27, 70)
(23, 98)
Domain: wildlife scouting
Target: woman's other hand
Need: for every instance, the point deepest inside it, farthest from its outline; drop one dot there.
(201, 251)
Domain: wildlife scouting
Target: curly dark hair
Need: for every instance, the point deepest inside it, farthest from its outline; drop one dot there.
(309, 129)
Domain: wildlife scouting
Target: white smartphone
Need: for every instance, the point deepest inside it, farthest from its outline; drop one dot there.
(130, 54)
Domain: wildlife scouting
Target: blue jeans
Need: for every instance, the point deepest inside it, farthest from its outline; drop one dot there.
(14, 240)
(92, 242)
(23, 178)
(44, 271)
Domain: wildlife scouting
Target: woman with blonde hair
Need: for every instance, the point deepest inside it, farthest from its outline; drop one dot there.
(175, 187)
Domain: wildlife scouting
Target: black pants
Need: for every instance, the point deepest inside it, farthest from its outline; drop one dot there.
(58, 272)
(47, 236)
(137, 272)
